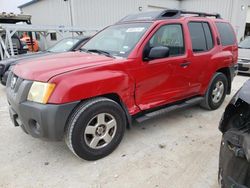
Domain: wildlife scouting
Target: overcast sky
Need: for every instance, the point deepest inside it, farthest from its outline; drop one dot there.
(11, 5)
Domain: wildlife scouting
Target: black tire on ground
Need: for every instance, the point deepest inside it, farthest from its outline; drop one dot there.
(85, 118)
(2, 82)
(209, 102)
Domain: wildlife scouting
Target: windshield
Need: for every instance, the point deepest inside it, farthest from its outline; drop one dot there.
(64, 45)
(117, 40)
(245, 43)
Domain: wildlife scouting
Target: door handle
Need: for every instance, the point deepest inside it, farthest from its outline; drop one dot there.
(185, 64)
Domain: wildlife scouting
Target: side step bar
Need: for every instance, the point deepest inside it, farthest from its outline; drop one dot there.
(150, 115)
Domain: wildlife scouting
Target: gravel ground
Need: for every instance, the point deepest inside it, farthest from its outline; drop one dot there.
(178, 150)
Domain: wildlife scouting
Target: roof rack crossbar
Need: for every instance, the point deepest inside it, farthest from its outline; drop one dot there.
(173, 13)
(201, 14)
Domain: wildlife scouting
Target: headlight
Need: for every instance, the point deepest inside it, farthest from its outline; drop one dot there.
(40, 92)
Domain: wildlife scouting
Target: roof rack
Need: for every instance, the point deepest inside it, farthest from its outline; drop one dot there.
(165, 14)
(201, 14)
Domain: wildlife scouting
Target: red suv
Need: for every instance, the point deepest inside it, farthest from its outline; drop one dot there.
(143, 66)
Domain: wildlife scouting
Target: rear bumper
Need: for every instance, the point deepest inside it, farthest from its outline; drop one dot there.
(244, 66)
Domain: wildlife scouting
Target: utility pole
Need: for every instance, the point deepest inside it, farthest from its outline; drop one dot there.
(70, 2)
(71, 13)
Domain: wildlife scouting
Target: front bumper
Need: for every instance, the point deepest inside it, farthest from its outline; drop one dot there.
(244, 66)
(39, 120)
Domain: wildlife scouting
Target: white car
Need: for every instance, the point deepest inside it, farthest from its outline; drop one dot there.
(244, 56)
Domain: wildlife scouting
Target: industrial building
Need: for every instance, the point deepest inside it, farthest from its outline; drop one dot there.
(96, 14)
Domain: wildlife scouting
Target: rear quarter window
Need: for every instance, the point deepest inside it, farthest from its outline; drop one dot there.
(226, 32)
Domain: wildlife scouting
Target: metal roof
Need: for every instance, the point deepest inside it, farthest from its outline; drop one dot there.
(28, 3)
(14, 18)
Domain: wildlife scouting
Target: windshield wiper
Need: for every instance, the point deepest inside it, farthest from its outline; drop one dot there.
(97, 51)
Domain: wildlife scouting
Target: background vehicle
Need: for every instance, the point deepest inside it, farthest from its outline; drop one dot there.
(67, 44)
(143, 66)
(244, 56)
(234, 167)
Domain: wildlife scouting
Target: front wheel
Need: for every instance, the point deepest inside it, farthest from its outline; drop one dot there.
(95, 129)
(216, 92)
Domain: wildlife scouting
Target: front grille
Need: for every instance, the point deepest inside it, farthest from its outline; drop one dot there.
(243, 68)
(14, 82)
(17, 92)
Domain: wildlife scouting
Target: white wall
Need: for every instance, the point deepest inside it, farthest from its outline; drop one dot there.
(248, 15)
(90, 14)
(100, 13)
(49, 12)
(96, 14)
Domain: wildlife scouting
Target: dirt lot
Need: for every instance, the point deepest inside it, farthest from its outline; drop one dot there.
(178, 150)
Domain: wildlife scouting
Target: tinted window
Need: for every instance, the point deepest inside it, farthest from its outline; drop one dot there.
(197, 37)
(53, 36)
(170, 36)
(226, 33)
(64, 45)
(208, 35)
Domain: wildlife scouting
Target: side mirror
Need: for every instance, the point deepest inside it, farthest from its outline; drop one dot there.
(158, 53)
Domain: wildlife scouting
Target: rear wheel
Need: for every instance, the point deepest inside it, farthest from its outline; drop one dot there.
(216, 92)
(95, 129)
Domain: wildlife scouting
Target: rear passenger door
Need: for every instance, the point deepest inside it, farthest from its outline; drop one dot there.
(228, 40)
(202, 46)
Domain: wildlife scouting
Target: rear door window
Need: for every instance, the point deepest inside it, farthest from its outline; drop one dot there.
(201, 36)
(197, 37)
(226, 32)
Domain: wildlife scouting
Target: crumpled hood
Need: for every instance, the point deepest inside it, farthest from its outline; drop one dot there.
(244, 53)
(44, 68)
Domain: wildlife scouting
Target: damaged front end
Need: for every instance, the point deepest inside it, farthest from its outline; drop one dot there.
(234, 164)
(237, 113)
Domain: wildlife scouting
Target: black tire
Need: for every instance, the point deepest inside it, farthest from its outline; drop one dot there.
(3, 82)
(208, 102)
(79, 120)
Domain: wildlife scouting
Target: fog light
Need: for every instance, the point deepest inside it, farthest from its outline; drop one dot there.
(35, 127)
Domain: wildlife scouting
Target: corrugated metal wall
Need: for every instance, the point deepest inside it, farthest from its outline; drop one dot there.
(96, 14)
(100, 13)
(49, 12)
(90, 14)
(248, 15)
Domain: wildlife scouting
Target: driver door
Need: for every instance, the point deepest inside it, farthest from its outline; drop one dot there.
(162, 81)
